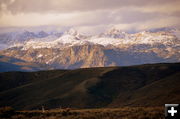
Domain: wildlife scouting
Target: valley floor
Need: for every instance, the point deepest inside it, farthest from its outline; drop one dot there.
(103, 113)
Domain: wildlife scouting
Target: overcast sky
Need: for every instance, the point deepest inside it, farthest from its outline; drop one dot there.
(91, 15)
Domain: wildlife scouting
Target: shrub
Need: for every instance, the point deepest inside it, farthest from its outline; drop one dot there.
(6, 112)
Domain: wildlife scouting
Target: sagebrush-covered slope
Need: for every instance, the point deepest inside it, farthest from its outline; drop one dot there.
(143, 85)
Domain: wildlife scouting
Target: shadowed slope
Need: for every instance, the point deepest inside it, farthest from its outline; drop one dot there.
(12, 64)
(143, 85)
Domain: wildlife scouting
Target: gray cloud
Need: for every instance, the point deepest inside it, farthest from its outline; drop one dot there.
(16, 6)
(92, 15)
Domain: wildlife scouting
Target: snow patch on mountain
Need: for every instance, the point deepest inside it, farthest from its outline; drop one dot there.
(104, 41)
(113, 37)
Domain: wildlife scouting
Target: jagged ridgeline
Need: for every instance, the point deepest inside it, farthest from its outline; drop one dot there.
(70, 50)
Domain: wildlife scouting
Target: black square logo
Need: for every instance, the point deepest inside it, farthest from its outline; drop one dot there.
(172, 111)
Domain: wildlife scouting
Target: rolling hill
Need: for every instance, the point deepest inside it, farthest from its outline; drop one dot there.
(141, 85)
(13, 64)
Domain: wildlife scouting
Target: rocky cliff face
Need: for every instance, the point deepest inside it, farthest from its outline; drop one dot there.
(114, 48)
(84, 56)
(72, 57)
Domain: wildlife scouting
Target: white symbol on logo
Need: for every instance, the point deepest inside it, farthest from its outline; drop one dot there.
(172, 111)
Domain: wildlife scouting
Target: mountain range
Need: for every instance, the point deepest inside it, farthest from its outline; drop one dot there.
(71, 50)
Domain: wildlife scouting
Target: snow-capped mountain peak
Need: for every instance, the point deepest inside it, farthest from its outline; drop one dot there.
(72, 32)
(113, 37)
(115, 33)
